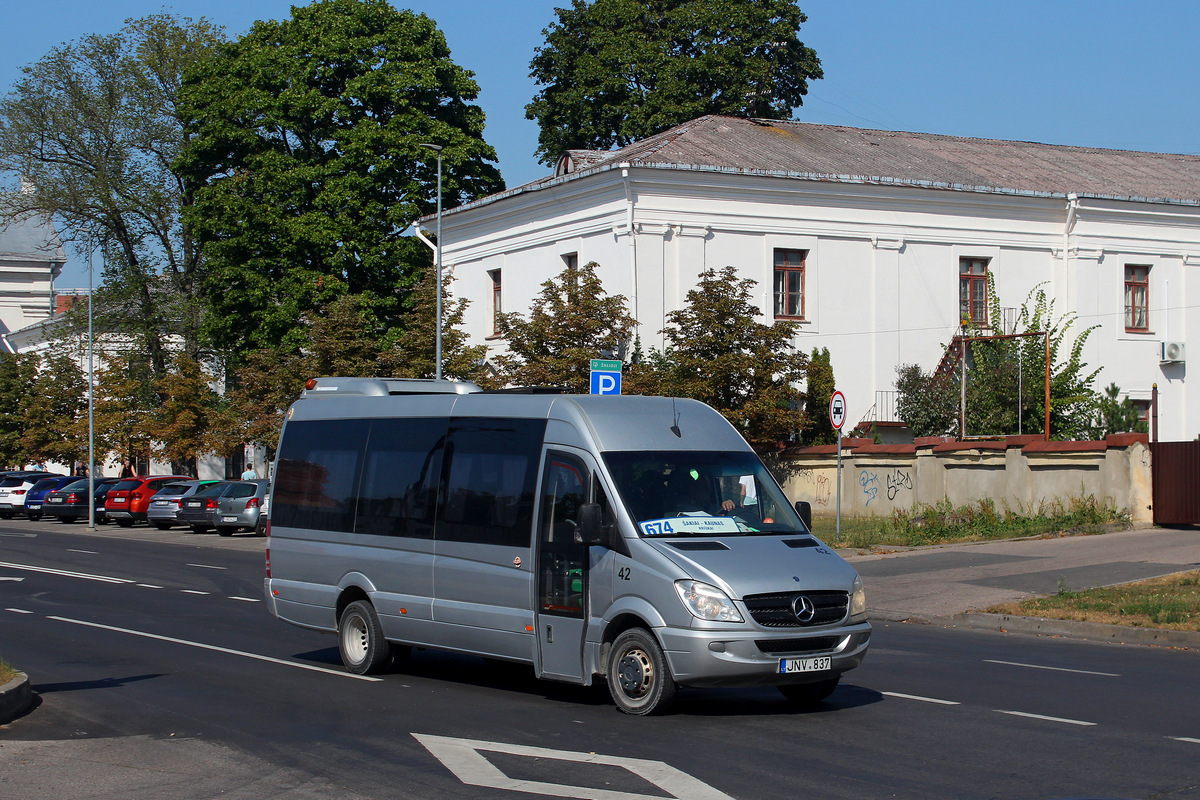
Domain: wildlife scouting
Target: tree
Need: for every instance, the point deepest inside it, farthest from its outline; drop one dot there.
(56, 412)
(1117, 416)
(928, 403)
(17, 376)
(816, 399)
(124, 400)
(93, 130)
(307, 165)
(719, 354)
(182, 423)
(418, 342)
(616, 71)
(570, 322)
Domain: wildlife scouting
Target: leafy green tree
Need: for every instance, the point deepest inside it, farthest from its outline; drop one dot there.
(56, 412)
(17, 376)
(124, 403)
(816, 399)
(616, 71)
(928, 403)
(418, 342)
(570, 322)
(1117, 416)
(93, 129)
(307, 166)
(718, 353)
(182, 424)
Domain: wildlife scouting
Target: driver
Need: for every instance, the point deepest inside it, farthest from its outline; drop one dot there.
(693, 492)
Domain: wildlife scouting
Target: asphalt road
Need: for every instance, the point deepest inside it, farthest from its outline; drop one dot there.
(161, 674)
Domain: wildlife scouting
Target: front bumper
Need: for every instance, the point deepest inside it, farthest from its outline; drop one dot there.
(734, 658)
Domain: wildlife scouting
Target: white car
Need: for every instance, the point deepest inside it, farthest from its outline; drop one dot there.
(13, 488)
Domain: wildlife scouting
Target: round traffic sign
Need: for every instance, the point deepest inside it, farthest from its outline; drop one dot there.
(837, 410)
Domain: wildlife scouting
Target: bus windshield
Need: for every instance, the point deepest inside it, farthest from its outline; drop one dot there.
(701, 493)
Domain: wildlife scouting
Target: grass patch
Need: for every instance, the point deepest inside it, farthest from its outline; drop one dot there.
(943, 523)
(7, 672)
(1171, 602)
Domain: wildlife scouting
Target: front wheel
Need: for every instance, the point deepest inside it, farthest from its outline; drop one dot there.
(638, 677)
(363, 647)
(809, 694)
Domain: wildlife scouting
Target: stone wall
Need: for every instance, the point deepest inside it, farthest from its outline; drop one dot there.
(1021, 473)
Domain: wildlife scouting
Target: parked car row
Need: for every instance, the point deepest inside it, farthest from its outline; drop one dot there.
(160, 500)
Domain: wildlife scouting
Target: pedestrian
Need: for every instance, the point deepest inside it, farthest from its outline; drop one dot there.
(249, 474)
(126, 469)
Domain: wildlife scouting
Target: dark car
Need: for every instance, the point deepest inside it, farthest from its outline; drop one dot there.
(164, 506)
(36, 496)
(199, 511)
(71, 501)
(128, 501)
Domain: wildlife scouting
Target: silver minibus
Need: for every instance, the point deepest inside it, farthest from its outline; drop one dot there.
(634, 540)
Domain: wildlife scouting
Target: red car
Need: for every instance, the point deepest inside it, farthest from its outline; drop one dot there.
(128, 500)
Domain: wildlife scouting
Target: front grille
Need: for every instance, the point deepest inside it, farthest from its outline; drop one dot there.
(814, 644)
(776, 610)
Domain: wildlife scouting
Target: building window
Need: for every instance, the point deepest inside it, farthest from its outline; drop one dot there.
(789, 283)
(1137, 298)
(972, 290)
(497, 308)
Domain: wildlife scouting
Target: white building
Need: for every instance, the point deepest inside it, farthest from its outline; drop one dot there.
(31, 257)
(875, 241)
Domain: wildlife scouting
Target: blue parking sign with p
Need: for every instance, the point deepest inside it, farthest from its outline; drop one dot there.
(606, 376)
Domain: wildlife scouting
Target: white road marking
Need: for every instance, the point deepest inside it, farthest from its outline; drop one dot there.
(1043, 717)
(192, 591)
(149, 586)
(247, 599)
(66, 573)
(88, 552)
(14, 580)
(1184, 739)
(214, 648)
(18, 611)
(922, 699)
(206, 566)
(1055, 669)
(464, 759)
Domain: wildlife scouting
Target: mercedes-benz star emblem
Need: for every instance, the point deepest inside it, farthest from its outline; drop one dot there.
(803, 608)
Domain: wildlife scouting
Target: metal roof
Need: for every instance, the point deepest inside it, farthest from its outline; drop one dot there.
(28, 236)
(857, 155)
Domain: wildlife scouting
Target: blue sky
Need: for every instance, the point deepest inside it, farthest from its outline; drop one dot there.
(1093, 73)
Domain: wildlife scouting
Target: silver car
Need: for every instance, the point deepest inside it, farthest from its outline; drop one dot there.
(164, 505)
(240, 507)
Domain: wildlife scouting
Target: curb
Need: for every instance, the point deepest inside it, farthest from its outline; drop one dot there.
(1041, 626)
(15, 698)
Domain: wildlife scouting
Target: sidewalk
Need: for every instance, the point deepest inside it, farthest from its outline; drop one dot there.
(951, 584)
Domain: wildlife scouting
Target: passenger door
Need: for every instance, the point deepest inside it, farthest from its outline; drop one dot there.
(562, 567)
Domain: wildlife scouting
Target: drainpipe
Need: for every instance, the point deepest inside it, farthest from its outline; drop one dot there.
(1072, 209)
(632, 240)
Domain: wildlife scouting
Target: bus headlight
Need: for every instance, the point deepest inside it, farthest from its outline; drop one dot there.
(707, 602)
(858, 601)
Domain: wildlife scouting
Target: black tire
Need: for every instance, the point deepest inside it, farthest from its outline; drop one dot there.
(125, 523)
(101, 520)
(363, 648)
(33, 517)
(638, 677)
(225, 531)
(260, 529)
(66, 520)
(808, 694)
(6, 515)
(199, 528)
(162, 526)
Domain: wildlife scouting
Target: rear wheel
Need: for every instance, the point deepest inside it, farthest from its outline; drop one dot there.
(225, 531)
(33, 517)
(67, 520)
(638, 677)
(162, 526)
(125, 523)
(363, 647)
(808, 694)
(199, 528)
(6, 515)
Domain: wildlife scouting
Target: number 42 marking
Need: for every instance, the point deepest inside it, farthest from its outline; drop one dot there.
(623, 573)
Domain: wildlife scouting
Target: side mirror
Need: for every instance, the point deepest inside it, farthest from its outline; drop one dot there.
(805, 511)
(590, 529)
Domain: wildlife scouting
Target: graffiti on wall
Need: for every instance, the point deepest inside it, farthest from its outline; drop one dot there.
(898, 479)
(869, 482)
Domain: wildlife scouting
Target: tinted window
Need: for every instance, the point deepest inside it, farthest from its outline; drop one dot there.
(490, 480)
(44, 484)
(212, 490)
(80, 484)
(125, 486)
(400, 477)
(172, 490)
(317, 474)
(241, 490)
(10, 482)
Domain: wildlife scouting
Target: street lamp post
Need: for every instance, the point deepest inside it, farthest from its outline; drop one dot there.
(437, 369)
(91, 411)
